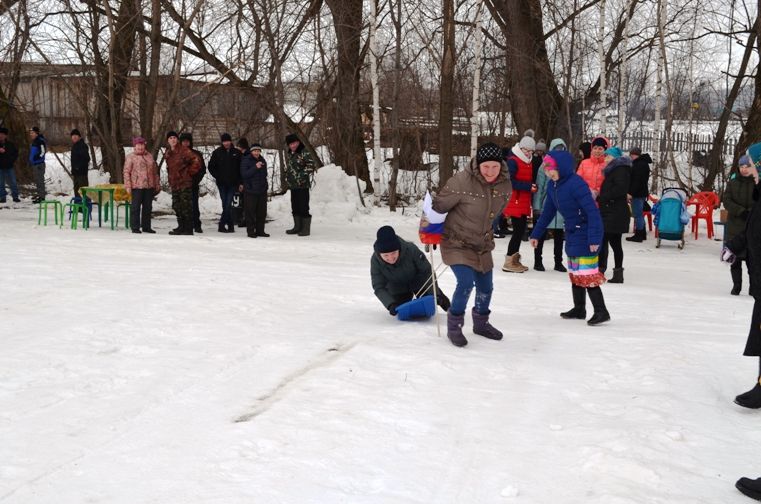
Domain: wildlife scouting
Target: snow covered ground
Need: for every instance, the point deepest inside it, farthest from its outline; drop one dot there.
(220, 369)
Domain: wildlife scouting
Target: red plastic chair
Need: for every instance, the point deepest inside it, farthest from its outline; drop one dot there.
(705, 203)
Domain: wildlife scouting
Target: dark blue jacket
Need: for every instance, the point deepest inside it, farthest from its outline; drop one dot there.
(571, 196)
(37, 151)
(254, 179)
(8, 158)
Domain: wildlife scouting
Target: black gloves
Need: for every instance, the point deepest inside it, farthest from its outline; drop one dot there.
(392, 309)
(444, 302)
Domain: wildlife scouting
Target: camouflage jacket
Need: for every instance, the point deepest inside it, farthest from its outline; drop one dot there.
(300, 168)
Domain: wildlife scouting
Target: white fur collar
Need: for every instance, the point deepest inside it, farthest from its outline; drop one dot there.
(519, 153)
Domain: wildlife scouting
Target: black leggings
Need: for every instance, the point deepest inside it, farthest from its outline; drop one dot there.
(519, 228)
(559, 235)
(614, 239)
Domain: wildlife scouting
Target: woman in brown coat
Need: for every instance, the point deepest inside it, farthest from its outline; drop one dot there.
(472, 198)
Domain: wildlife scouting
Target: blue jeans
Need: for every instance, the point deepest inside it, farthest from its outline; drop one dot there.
(467, 277)
(638, 205)
(8, 176)
(226, 192)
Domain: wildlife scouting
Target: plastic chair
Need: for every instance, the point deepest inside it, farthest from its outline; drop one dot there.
(705, 202)
(127, 206)
(43, 208)
(75, 209)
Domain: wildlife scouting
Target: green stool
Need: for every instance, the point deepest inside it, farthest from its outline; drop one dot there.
(76, 209)
(57, 210)
(127, 206)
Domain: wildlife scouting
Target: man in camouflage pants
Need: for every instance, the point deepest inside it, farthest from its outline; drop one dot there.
(181, 165)
(300, 168)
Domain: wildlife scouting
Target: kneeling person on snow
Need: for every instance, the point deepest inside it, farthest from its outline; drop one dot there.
(399, 271)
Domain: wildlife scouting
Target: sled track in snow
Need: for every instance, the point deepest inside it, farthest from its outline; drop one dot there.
(266, 401)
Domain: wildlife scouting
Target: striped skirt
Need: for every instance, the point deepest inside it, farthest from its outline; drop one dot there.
(584, 271)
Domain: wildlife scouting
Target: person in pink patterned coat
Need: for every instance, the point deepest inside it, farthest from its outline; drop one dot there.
(141, 180)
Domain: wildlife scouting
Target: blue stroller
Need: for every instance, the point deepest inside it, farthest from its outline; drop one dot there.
(671, 216)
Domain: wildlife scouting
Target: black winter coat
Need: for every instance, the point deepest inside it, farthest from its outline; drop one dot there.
(738, 200)
(254, 179)
(614, 206)
(224, 166)
(397, 282)
(198, 177)
(80, 158)
(639, 187)
(8, 158)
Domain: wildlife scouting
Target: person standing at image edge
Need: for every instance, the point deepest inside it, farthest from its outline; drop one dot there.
(37, 151)
(8, 157)
(518, 208)
(299, 169)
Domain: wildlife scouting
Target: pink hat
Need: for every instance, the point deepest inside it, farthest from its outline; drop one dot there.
(138, 140)
(550, 163)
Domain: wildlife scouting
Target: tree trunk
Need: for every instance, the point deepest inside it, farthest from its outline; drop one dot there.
(348, 145)
(446, 104)
(377, 156)
(396, 134)
(752, 129)
(475, 108)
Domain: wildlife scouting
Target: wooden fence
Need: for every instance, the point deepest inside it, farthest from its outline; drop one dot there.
(649, 141)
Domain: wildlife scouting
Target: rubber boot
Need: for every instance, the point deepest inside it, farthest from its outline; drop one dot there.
(454, 329)
(737, 280)
(306, 226)
(296, 226)
(618, 276)
(482, 327)
(579, 310)
(598, 301)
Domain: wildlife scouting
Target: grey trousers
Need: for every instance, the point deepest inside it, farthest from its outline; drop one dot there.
(39, 180)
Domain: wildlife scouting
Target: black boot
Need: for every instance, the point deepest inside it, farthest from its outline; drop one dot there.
(296, 226)
(306, 226)
(482, 327)
(618, 276)
(579, 310)
(231, 228)
(750, 488)
(737, 280)
(750, 399)
(538, 266)
(559, 266)
(454, 330)
(638, 236)
(601, 313)
(222, 228)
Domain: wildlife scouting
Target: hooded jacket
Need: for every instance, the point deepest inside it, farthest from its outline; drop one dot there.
(571, 196)
(181, 165)
(521, 171)
(738, 200)
(472, 204)
(591, 171)
(640, 180)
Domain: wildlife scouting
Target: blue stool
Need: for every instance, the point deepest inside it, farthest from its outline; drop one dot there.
(422, 307)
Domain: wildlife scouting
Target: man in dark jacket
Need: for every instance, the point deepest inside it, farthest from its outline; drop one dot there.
(399, 271)
(299, 169)
(253, 170)
(8, 156)
(186, 139)
(80, 160)
(224, 166)
(639, 190)
(37, 151)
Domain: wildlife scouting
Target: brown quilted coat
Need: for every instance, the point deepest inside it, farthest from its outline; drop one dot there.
(472, 204)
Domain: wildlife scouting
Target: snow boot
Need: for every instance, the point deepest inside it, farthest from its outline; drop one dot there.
(482, 327)
(750, 399)
(222, 228)
(750, 488)
(618, 276)
(306, 226)
(601, 313)
(559, 266)
(513, 265)
(296, 226)
(737, 281)
(454, 329)
(538, 266)
(579, 310)
(231, 228)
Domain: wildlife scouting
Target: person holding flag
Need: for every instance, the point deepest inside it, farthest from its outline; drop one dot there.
(472, 198)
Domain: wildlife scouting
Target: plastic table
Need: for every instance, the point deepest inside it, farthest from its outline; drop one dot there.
(100, 190)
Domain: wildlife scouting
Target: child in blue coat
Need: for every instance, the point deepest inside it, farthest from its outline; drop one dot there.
(569, 195)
